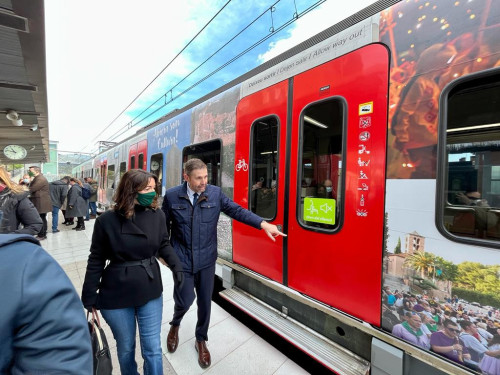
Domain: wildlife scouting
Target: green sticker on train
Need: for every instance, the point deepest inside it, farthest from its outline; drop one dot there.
(319, 210)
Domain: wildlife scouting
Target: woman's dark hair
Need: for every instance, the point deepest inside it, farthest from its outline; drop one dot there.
(73, 179)
(130, 184)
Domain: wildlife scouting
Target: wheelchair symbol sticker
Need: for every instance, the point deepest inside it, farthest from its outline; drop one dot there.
(319, 210)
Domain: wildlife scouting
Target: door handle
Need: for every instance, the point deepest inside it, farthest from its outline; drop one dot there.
(280, 227)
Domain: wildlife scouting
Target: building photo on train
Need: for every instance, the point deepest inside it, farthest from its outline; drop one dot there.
(375, 146)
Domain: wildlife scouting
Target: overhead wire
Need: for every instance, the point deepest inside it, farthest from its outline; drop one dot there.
(166, 67)
(272, 30)
(220, 67)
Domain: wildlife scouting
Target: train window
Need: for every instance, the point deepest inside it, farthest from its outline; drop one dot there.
(111, 177)
(123, 169)
(471, 200)
(320, 161)
(210, 153)
(156, 167)
(140, 164)
(263, 167)
(132, 162)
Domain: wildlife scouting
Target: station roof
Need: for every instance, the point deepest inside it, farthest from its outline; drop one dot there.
(23, 83)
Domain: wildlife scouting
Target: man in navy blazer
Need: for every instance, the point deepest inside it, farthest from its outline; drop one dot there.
(192, 211)
(43, 328)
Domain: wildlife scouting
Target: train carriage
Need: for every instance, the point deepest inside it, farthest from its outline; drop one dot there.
(375, 145)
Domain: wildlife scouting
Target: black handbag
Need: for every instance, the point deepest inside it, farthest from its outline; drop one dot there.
(100, 348)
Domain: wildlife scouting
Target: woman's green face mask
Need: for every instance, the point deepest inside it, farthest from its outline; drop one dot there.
(146, 199)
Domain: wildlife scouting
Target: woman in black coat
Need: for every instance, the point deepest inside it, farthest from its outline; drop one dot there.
(131, 236)
(17, 213)
(77, 206)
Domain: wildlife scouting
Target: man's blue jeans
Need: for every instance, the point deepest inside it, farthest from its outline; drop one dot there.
(123, 323)
(93, 208)
(55, 217)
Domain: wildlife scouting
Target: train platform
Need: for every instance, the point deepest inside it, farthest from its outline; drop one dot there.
(235, 349)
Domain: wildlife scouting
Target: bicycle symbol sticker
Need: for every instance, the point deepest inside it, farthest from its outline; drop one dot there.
(241, 165)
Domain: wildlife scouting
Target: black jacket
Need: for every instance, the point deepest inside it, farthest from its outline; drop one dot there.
(121, 240)
(17, 209)
(58, 191)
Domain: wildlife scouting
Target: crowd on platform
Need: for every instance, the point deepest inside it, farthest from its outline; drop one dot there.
(70, 195)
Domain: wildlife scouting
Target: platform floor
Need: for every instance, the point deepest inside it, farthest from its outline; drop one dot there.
(235, 349)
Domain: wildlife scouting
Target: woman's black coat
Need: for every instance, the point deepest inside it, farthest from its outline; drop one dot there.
(119, 240)
(17, 209)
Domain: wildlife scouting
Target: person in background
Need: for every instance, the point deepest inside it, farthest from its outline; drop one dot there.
(484, 336)
(391, 298)
(86, 185)
(42, 323)
(490, 365)
(77, 206)
(476, 349)
(25, 181)
(128, 290)
(67, 220)
(16, 209)
(448, 344)
(411, 330)
(93, 197)
(58, 192)
(40, 197)
(194, 239)
(429, 322)
(329, 192)
(415, 120)
(492, 328)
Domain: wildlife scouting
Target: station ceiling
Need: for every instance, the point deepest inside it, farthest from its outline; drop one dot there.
(23, 83)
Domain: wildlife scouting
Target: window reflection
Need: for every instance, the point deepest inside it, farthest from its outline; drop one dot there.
(472, 206)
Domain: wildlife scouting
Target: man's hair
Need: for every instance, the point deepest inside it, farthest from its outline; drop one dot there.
(448, 322)
(193, 164)
(66, 178)
(465, 324)
(37, 169)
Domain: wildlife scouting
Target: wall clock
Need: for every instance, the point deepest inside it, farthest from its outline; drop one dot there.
(15, 152)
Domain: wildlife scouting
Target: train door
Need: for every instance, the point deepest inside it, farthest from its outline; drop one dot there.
(337, 181)
(331, 199)
(142, 157)
(259, 182)
(132, 157)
